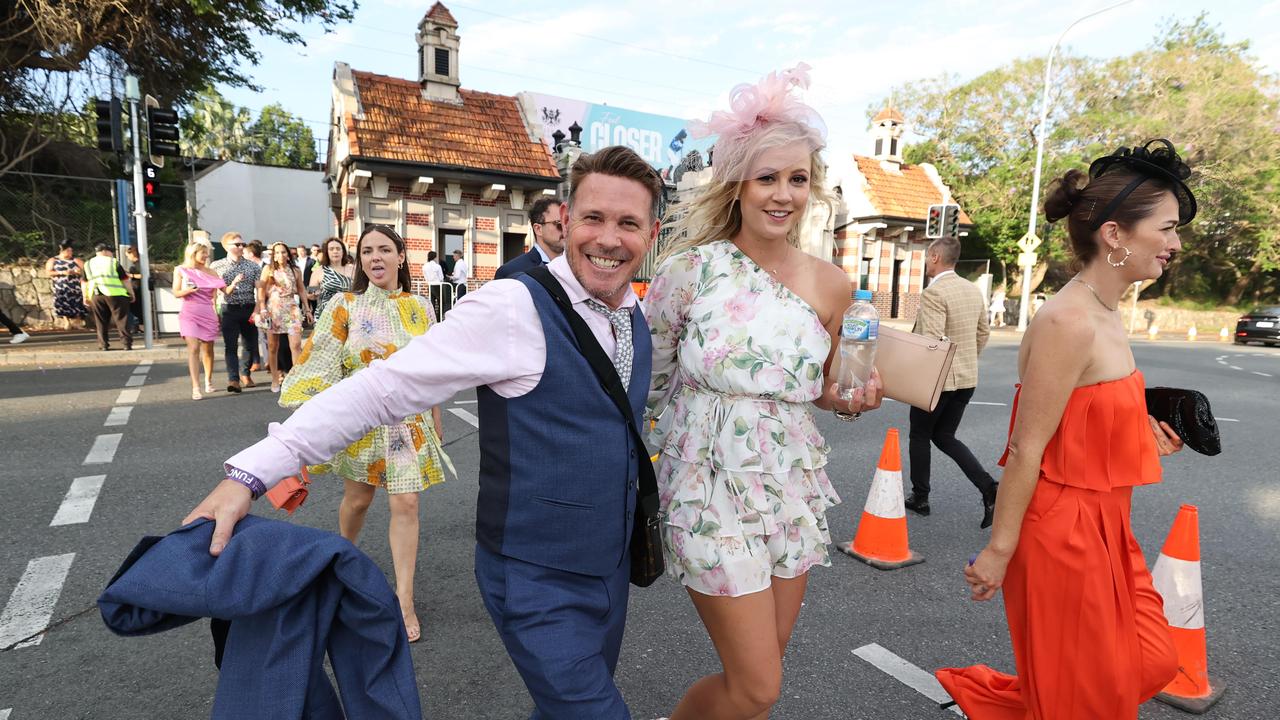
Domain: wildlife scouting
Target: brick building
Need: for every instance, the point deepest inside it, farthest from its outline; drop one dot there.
(879, 240)
(449, 168)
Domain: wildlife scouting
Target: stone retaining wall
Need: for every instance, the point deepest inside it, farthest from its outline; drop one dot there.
(26, 295)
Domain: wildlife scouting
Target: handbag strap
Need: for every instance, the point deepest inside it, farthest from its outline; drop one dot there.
(607, 374)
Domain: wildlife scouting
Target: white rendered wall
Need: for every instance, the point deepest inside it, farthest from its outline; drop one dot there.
(264, 203)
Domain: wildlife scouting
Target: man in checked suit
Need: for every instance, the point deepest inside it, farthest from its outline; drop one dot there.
(952, 307)
(548, 239)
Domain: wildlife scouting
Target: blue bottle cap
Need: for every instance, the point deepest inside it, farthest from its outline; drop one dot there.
(862, 295)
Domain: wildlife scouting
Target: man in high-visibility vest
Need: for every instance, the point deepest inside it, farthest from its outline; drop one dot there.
(108, 294)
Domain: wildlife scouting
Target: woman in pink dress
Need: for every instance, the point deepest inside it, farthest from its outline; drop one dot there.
(196, 283)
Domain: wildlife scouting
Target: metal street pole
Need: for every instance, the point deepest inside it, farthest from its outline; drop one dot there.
(1028, 266)
(132, 94)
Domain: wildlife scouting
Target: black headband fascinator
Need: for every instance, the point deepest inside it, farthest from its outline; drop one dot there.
(1160, 162)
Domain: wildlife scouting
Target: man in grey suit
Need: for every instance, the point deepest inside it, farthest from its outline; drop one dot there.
(548, 239)
(950, 307)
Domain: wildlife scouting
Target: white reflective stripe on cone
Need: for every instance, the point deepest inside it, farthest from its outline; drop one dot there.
(1178, 582)
(885, 499)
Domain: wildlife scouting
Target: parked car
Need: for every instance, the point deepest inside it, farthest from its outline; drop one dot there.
(1263, 325)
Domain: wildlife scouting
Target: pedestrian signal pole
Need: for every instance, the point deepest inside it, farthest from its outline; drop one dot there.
(133, 95)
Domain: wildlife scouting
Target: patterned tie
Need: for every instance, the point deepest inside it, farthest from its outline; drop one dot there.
(623, 353)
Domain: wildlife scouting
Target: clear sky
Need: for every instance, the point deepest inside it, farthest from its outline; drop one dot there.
(680, 57)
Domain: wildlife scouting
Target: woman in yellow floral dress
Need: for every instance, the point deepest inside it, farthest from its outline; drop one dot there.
(375, 319)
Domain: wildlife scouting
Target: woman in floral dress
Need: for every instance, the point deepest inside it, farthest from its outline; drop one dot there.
(744, 326)
(285, 305)
(378, 317)
(67, 271)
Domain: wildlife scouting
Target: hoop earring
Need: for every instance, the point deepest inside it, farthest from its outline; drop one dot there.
(1127, 253)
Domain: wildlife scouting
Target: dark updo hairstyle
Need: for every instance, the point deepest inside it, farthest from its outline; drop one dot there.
(361, 281)
(1124, 187)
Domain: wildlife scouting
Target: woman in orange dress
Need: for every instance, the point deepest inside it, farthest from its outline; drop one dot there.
(1090, 640)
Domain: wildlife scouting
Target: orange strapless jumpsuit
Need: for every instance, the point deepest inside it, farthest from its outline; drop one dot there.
(1089, 635)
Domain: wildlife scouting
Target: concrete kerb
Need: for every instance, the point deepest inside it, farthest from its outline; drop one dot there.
(20, 358)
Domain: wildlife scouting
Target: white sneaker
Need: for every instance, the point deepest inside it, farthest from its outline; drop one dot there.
(19, 338)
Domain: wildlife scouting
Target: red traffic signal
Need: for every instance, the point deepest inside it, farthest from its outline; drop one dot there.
(150, 184)
(933, 223)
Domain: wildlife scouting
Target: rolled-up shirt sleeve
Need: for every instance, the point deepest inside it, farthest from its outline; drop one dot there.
(493, 337)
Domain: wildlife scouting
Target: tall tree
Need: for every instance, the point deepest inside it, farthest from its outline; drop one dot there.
(280, 138)
(216, 128)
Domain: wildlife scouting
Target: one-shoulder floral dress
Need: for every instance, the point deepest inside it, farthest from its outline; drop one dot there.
(737, 358)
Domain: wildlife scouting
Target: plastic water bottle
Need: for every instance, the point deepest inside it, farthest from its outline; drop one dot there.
(858, 335)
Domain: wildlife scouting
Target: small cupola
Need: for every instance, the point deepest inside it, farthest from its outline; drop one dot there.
(438, 55)
(886, 130)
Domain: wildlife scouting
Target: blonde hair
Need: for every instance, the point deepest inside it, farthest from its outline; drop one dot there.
(189, 254)
(714, 213)
(229, 236)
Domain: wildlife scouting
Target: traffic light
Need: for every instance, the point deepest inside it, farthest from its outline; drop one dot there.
(110, 137)
(162, 131)
(150, 184)
(933, 224)
(951, 220)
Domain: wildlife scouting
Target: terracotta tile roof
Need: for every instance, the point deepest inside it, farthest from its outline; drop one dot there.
(484, 133)
(888, 114)
(440, 14)
(905, 195)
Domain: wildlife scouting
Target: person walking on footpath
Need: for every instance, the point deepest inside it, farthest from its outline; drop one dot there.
(551, 556)
(67, 272)
(997, 309)
(548, 239)
(745, 333)
(378, 317)
(460, 274)
(284, 305)
(195, 283)
(337, 271)
(132, 265)
(108, 293)
(1088, 629)
(238, 310)
(15, 330)
(950, 307)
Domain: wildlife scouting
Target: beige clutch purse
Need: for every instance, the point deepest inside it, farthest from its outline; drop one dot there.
(913, 368)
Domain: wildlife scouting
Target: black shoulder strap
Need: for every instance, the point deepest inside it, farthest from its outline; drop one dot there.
(606, 373)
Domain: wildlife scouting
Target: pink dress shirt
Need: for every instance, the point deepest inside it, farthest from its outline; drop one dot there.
(493, 337)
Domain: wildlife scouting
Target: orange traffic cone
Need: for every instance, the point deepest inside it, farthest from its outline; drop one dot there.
(881, 540)
(1177, 579)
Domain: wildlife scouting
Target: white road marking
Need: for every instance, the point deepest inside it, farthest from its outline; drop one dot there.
(77, 506)
(104, 449)
(4, 714)
(142, 370)
(118, 416)
(975, 402)
(906, 673)
(135, 380)
(33, 600)
(471, 419)
(128, 397)
(464, 402)
(1255, 372)
(1222, 419)
(144, 363)
(1235, 367)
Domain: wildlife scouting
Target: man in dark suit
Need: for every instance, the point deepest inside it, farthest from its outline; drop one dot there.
(305, 265)
(548, 239)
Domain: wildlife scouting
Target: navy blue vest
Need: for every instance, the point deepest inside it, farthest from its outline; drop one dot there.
(558, 467)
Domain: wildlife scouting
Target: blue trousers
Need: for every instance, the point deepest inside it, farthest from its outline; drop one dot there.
(562, 630)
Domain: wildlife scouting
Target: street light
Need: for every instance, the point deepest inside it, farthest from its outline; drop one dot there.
(1030, 242)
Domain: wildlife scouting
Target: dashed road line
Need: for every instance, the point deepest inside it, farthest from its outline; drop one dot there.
(1235, 367)
(77, 506)
(906, 673)
(31, 605)
(144, 363)
(1255, 372)
(468, 417)
(4, 714)
(975, 402)
(1222, 419)
(142, 370)
(104, 449)
(136, 380)
(119, 416)
(464, 402)
(128, 397)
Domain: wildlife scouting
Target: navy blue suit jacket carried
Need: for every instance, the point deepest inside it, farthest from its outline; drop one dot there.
(290, 593)
(519, 264)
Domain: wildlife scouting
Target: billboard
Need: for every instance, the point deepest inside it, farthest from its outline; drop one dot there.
(660, 139)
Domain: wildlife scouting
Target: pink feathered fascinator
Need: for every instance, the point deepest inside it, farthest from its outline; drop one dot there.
(753, 108)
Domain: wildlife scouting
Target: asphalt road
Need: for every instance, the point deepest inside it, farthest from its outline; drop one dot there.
(169, 455)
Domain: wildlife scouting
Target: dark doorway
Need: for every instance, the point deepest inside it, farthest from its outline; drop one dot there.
(894, 288)
(512, 246)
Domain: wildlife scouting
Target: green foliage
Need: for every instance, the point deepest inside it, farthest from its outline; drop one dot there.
(216, 128)
(1209, 96)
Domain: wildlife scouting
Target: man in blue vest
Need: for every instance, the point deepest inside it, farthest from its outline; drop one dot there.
(548, 239)
(108, 294)
(552, 532)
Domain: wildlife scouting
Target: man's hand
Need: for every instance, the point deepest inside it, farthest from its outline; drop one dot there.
(225, 506)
